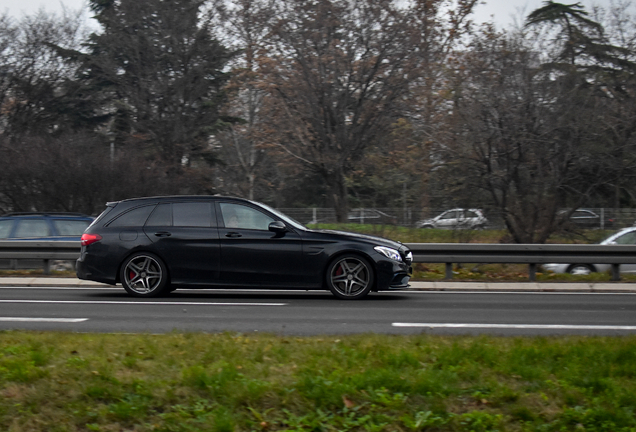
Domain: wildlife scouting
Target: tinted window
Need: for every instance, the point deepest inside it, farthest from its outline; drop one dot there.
(133, 218)
(70, 227)
(582, 214)
(243, 217)
(5, 228)
(449, 215)
(32, 228)
(162, 216)
(627, 238)
(192, 214)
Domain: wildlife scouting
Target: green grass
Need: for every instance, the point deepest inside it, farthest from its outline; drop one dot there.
(419, 235)
(236, 382)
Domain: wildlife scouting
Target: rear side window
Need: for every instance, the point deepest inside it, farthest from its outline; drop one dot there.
(5, 228)
(70, 227)
(133, 218)
(192, 214)
(183, 214)
(161, 217)
(32, 228)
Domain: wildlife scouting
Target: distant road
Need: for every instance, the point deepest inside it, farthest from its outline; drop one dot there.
(318, 313)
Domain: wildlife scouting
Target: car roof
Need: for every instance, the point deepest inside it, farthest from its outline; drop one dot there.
(179, 198)
(44, 215)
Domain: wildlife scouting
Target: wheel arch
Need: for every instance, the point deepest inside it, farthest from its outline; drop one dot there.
(592, 267)
(351, 251)
(136, 251)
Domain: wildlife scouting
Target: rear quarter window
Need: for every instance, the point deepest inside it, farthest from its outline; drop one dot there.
(133, 218)
(5, 228)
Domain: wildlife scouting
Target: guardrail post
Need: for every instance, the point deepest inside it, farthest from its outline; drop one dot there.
(449, 271)
(532, 272)
(47, 267)
(616, 273)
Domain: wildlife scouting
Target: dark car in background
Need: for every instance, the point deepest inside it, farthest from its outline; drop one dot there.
(584, 218)
(43, 226)
(155, 245)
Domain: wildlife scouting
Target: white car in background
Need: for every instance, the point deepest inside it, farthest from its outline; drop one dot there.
(456, 219)
(625, 236)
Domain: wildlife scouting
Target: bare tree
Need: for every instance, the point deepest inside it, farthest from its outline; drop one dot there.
(336, 71)
(245, 24)
(527, 131)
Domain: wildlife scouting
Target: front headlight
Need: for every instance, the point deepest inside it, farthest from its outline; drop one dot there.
(389, 252)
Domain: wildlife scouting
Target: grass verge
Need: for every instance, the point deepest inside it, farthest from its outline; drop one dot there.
(235, 382)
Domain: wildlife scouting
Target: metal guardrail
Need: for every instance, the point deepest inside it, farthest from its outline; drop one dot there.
(46, 251)
(447, 253)
(531, 254)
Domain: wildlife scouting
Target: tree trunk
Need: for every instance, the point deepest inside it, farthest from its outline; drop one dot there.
(337, 194)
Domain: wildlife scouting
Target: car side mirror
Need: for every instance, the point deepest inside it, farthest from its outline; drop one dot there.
(278, 227)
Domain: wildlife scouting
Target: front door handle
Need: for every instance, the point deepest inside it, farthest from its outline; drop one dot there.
(233, 235)
(163, 234)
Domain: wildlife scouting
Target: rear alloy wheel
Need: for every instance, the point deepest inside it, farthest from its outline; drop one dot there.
(580, 269)
(350, 277)
(144, 275)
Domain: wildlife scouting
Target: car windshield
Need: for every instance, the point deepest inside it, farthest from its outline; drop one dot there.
(283, 216)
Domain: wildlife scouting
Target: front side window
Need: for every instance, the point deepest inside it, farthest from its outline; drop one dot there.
(32, 228)
(627, 238)
(243, 217)
(449, 215)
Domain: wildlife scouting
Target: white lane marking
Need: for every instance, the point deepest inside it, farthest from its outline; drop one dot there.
(517, 326)
(52, 320)
(247, 291)
(143, 303)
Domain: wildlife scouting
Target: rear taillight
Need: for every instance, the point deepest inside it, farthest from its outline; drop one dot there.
(90, 239)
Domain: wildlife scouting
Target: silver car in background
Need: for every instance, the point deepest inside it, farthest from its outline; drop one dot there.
(625, 236)
(458, 218)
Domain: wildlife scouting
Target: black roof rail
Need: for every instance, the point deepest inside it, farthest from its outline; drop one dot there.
(44, 214)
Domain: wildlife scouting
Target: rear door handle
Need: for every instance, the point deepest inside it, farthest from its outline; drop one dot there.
(163, 234)
(233, 235)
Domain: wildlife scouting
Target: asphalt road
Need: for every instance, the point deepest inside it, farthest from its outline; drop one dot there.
(318, 313)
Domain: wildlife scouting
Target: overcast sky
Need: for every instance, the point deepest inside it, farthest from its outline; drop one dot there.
(504, 12)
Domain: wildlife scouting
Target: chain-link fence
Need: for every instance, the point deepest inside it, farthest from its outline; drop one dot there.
(590, 218)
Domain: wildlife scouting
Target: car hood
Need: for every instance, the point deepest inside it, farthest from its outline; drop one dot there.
(380, 241)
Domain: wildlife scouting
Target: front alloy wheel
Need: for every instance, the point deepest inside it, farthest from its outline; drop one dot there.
(144, 275)
(350, 277)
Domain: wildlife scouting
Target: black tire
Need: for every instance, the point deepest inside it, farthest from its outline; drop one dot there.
(427, 227)
(581, 269)
(144, 275)
(350, 277)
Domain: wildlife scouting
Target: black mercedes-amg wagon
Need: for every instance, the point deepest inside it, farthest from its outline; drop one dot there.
(155, 245)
